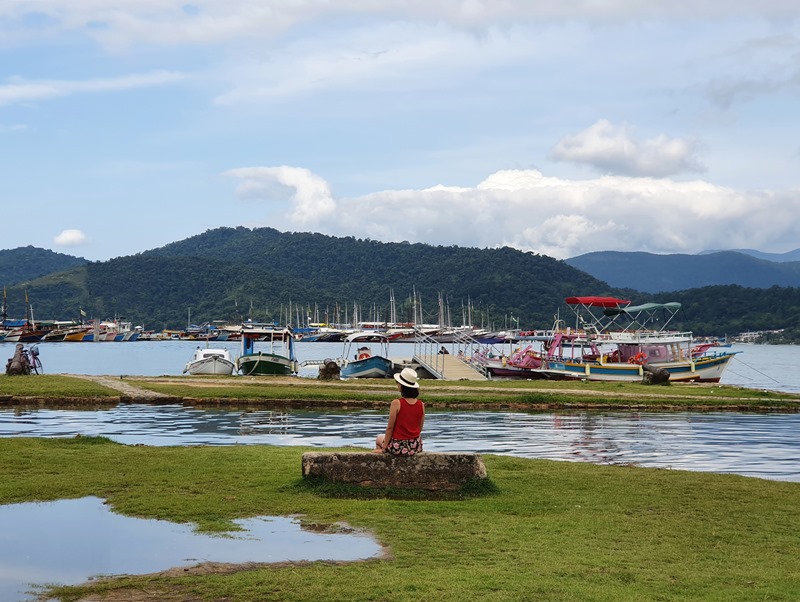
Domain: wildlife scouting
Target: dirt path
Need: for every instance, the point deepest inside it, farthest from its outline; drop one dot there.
(125, 388)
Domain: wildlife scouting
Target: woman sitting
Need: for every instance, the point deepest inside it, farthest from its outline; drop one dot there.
(406, 417)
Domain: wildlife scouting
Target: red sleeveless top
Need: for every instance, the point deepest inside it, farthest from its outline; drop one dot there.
(408, 420)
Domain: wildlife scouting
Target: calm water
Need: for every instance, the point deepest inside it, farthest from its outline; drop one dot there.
(774, 367)
(762, 445)
(70, 541)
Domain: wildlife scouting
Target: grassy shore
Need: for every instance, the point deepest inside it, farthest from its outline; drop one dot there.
(539, 394)
(551, 530)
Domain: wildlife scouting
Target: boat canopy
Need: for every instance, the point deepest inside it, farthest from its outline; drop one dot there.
(672, 307)
(367, 336)
(597, 301)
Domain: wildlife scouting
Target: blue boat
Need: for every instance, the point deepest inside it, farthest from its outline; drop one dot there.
(366, 355)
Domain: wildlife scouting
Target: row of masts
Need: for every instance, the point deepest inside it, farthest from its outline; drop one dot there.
(306, 316)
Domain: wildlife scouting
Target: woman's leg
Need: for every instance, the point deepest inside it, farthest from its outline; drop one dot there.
(379, 442)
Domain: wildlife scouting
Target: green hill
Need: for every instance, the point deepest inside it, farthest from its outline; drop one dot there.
(26, 263)
(235, 273)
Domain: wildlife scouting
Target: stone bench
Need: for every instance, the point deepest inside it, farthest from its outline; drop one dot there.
(430, 471)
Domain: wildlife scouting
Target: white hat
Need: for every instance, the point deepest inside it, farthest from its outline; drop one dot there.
(408, 378)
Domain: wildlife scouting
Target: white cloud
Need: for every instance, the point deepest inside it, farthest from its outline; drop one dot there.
(613, 149)
(309, 194)
(18, 90)
(70, 238)
(124, 23)
(558, 217)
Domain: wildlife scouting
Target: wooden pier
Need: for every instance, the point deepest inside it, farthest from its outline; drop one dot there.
(445, 366)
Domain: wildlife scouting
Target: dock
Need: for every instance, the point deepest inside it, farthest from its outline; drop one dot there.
(445, 366)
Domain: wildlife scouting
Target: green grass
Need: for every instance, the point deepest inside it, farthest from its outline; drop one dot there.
(556, 531)
(534, 394)
(52, 385)
(499, 394)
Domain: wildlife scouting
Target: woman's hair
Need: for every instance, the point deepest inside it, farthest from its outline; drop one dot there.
(410, 392)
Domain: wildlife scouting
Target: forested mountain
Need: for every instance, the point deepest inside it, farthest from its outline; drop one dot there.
(657, 273)
(27, 263)
(236, 273)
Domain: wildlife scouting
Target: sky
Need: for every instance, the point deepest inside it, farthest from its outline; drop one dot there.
(558, 128)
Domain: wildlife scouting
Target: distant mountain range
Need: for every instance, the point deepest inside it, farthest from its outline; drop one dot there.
(777, 257)
(652, 273)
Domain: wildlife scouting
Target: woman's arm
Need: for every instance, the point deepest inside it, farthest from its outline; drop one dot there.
(393, 410)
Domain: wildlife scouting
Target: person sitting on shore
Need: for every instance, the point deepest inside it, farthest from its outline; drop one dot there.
(406, 418)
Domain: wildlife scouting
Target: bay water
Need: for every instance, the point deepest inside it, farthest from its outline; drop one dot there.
(754, 444)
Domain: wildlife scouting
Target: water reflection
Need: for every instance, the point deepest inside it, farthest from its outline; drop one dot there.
(761, 445)
(70, 541)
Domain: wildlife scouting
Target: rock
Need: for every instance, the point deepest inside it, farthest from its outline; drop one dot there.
(329, 370)
(430, 471)
(653, 375)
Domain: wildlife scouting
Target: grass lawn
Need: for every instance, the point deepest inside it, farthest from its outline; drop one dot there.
(551, 530)
(518, 394)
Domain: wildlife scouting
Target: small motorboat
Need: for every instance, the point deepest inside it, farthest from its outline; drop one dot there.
(210, 361)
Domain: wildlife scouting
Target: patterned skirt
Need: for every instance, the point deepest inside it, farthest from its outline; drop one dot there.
(404, 447)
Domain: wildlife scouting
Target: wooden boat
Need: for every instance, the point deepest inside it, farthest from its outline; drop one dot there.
(623, 343)
(366, 355)
(210, 361)
(280, 360)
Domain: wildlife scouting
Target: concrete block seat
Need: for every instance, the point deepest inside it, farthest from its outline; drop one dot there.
(431, 471)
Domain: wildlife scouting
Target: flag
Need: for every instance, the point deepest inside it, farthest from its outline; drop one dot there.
(83, 313)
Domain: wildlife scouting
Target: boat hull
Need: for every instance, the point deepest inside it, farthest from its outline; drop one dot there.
(265, 364)
(210, 366)
(704, 369)
(371, 367)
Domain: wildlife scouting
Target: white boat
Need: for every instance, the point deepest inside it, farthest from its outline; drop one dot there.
(366, 355)
(210, 361)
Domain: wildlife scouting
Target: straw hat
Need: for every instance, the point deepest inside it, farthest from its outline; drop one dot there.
(407, 377)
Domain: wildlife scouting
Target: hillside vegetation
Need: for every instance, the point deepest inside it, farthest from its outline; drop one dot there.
(236, 273)
(233, 274)
(26, 263)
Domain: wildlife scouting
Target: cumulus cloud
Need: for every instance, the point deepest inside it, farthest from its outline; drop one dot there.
(70, 238)
(558, 217)
(17, 90)
(613, 149)
(309, 195)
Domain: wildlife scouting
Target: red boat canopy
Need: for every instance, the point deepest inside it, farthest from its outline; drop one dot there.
(597, 301)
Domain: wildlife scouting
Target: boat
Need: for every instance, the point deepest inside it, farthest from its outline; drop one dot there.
(274, 362)
(210, 361)
(616, 341)
(366, 355)
(522, 363)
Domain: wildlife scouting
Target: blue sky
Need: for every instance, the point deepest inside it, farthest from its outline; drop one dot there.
(558, 128)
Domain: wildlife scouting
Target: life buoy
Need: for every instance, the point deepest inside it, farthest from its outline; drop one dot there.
(640, 358)
(363, 356)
